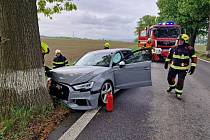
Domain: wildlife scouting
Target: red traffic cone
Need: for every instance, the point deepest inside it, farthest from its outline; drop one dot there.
(109, 102)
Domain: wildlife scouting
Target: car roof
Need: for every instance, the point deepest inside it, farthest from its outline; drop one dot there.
(110, 50)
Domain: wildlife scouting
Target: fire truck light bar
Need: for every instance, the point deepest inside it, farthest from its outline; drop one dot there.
(166, 23)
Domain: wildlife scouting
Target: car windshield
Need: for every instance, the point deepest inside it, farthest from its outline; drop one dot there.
(167, 32)
(102, 59)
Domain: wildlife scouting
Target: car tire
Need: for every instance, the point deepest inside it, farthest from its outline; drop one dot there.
(105, 88)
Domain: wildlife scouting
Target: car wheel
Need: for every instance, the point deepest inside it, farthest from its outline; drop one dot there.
(105, 89)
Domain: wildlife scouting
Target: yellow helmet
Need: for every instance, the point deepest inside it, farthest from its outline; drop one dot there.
(106, 45)
(184, 37)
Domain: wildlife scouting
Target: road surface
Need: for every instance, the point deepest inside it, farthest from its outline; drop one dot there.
(150, 113)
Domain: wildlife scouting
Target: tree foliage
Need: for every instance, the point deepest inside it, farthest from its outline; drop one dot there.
(168, 9)
(192, 15)
(145, 21)
(50, 7)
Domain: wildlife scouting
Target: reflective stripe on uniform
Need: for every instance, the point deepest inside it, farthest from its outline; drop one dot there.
(181, 56)
(58, 62)
(178, 91)
(179, 67)
(167, 59)
(193, 64)
(172, 85)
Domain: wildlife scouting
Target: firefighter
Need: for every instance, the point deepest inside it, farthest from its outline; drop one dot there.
(149, 46)
(106, 45)
(180, 64)
(44, 49)
(59, 60)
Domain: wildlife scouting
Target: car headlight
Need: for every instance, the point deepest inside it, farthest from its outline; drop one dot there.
(84, 86)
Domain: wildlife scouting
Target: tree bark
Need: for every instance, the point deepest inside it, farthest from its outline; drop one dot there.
(193, 34)
(22, 79)
(208, 43)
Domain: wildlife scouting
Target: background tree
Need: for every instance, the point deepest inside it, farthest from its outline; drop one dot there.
(145, 21)
(192, 19)
(168, 10)
(22, 79)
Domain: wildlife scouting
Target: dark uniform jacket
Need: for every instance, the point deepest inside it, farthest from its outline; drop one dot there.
(60, 61)
(180, 57)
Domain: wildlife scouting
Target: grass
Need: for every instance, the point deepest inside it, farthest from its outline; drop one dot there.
(32, 123)
(18, 120)
(201, 52)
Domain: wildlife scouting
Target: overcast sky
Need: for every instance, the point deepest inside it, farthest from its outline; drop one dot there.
(99, 19)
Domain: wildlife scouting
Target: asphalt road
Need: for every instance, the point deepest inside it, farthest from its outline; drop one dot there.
(64, 126)
(150, 113)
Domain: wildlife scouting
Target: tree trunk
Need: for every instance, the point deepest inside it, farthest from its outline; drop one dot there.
(22, 79)
(208, 43)
(193, 34)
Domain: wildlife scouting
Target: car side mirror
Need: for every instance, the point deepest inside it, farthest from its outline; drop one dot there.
(122, 64)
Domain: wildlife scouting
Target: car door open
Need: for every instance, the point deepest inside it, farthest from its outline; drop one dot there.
(135, 73)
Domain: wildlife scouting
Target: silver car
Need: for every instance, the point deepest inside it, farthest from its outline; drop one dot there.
(85, 85)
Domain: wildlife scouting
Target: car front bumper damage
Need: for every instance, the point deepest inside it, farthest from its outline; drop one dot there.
(77, 100)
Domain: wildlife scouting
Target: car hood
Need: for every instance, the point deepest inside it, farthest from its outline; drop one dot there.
(76, 74)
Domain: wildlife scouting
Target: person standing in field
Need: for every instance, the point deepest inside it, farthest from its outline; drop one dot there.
(106, 45)
(59, 60)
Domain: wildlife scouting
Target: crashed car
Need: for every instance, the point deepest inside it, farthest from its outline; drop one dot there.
(85, 85)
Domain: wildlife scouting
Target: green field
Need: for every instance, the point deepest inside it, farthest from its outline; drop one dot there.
(75, 48)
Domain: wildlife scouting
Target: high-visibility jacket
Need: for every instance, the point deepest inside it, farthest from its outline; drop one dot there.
(180, 57)
(106, 45)
(60, 61)
(149, 45)
(44, 48)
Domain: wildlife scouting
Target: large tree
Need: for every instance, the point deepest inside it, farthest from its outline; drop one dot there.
(50, 7)
(22, 79)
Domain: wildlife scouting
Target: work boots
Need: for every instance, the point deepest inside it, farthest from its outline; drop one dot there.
(178, 96)
(170, 89)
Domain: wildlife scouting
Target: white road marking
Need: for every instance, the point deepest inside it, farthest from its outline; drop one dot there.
(204, 60)
(73, 132)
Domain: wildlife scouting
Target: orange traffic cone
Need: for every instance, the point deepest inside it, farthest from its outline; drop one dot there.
(109, 102)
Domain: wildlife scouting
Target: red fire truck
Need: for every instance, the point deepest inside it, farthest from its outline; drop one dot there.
(163, 35)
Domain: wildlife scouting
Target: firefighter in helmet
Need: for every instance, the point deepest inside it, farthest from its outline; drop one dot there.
(149, 44)
(106, 45)
(59, 60)
(180, 64)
